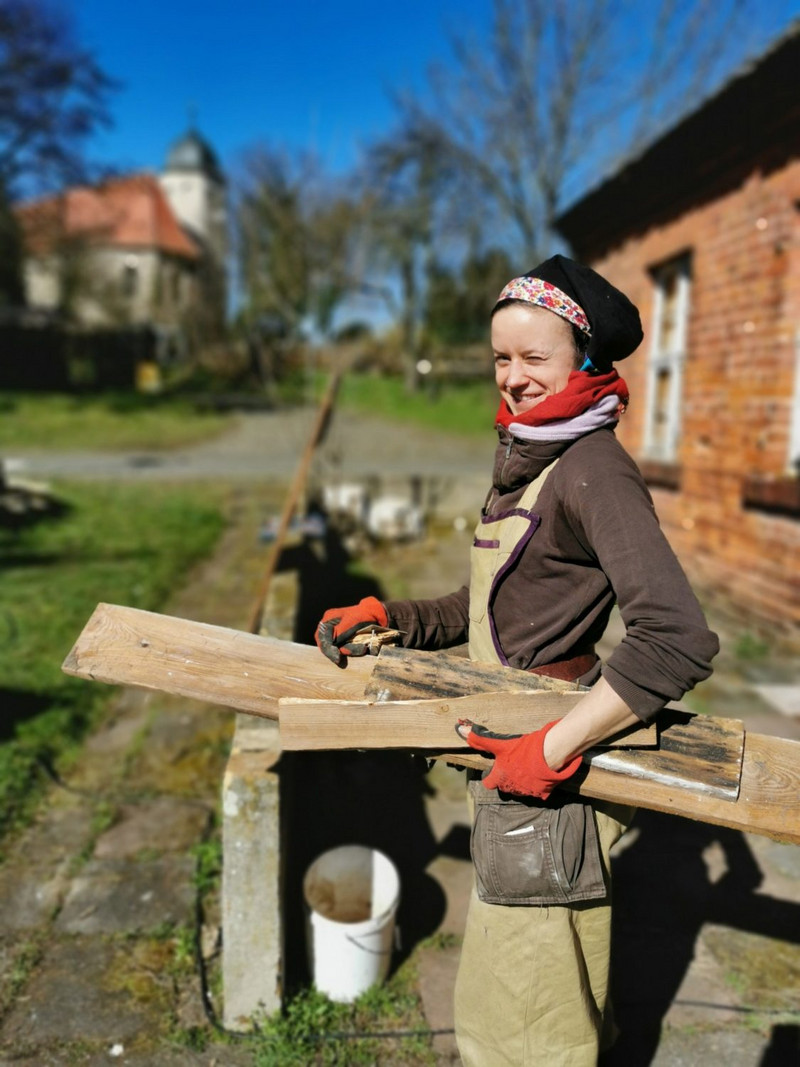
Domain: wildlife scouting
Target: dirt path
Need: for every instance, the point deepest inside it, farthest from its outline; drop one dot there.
(268, 444)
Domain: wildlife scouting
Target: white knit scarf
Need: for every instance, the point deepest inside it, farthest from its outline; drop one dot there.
(604, 413)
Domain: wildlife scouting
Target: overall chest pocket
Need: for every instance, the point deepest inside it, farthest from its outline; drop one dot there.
(526, 852)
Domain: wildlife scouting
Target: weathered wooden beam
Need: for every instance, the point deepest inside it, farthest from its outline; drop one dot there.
(296, 490)
(403, 675)
(126, 646)
(694, 752)
(768, 800)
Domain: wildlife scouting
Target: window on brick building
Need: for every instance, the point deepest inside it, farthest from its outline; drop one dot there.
(671, 284)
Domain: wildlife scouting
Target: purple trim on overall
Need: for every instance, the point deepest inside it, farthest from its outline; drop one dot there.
(477, 543)
(519, 548)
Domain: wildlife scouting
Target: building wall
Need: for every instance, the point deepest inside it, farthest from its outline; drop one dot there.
(199, 203)
(738, 390)
(163, 290)
(42, 289)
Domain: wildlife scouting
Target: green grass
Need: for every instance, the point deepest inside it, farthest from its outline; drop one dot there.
(113, 421)
(125, 544)
(313, 1030)
(464, 407)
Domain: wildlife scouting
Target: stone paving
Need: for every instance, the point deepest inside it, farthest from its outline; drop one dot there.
(98, 895)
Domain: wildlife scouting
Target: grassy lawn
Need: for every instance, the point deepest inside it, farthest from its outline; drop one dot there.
(126, 544)
(105, 421)
(459, 407)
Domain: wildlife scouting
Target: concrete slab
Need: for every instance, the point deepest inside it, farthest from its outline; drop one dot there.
(116, 735)
(455, 878)
(733, 1047)
(166, 824)
(72, 997)
(119, 896)
(58, 834)
(35, 877)
(783, 698)
(30, 896)
(703, 994)
(437, 969)
(252, 943)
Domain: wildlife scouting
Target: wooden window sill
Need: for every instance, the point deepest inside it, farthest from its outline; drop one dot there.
(660, 475)
(776, 496)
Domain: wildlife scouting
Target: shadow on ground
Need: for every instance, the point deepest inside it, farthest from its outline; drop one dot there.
(20, 705)
(665, 892)
(374, 799)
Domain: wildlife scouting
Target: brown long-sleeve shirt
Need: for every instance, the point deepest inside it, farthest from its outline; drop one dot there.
(599, 541)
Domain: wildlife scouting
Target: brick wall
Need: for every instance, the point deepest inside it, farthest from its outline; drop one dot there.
(738, 388)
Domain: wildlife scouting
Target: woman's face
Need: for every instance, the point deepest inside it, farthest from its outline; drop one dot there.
(534, 354)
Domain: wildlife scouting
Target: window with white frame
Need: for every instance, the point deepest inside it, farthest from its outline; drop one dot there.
(671, 282)
(129, 281)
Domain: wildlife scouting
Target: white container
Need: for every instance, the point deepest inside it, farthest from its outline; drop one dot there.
(352, 894)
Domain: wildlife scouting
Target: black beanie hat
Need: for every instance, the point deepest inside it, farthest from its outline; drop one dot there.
(616, 326)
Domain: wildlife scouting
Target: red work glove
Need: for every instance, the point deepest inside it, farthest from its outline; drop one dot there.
(338, 627)
(519, 764)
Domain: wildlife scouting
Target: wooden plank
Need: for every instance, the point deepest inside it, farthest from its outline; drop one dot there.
(126, 646)
(293, 497)
(401, 674)
(700, 753)
(768, 791)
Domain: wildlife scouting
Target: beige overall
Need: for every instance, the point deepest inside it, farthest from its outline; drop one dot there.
(532, 984)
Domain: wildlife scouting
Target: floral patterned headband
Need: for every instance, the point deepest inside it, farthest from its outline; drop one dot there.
(546, 295)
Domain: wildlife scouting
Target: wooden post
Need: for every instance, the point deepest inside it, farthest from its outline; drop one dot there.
(293, 498)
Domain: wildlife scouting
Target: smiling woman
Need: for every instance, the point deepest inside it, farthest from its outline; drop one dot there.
(567, 529)
(534, 355)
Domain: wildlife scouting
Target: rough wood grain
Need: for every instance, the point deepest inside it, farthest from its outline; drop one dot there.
(126, 646)
(695, 752)
(239, 670)
(400, 674)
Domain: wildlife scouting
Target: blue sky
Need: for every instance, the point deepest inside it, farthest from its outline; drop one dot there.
(314, 75)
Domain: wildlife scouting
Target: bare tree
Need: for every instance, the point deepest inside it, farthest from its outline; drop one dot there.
(296, 232)
(555, 92)
(53, 95)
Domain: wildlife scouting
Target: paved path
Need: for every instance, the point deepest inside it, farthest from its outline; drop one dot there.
(268, 445)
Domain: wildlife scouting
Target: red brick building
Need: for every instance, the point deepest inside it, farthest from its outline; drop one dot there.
(702, 232)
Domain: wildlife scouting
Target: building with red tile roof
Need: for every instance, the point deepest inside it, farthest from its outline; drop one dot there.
(139, 249)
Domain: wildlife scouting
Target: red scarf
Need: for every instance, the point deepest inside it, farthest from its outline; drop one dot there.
(581, 391)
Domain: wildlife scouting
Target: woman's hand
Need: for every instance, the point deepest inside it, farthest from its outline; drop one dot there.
(338, 627)
(534, 764)
(519, 763)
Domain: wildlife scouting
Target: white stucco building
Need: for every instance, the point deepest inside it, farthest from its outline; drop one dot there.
(136, 250)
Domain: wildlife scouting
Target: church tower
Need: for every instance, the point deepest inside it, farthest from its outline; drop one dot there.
(196, 189)
(195, 186)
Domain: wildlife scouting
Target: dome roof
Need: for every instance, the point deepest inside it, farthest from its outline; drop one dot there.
(194, 154)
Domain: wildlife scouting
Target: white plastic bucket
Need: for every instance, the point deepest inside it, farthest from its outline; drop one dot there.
(352, 894)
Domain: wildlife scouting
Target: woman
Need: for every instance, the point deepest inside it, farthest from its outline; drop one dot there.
(567, 530)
